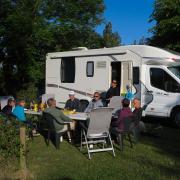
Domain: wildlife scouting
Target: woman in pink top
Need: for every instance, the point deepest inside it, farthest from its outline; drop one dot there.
(124, 113)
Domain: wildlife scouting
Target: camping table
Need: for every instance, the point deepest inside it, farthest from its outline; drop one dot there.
(78, 116)
(33, 112)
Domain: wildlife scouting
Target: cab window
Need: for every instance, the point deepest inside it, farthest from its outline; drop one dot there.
(162, 80)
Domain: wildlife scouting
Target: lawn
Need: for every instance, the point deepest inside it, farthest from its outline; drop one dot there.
(151, 158)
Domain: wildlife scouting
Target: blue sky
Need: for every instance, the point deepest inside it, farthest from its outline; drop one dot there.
(129, 18)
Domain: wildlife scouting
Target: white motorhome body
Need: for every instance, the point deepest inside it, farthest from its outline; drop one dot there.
(152, 73)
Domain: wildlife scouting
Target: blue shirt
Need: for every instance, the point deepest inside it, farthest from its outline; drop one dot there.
(18, 111)
(129, 95)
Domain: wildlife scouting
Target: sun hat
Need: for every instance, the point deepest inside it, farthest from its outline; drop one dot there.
(71, 93)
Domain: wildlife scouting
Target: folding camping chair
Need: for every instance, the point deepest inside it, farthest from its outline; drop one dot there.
(98, 131)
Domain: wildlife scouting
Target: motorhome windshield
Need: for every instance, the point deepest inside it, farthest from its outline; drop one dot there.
(175, 70)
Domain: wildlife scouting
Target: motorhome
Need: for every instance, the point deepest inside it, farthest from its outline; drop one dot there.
(152, 73)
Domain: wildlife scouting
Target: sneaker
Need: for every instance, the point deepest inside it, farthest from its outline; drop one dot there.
(158, 127)
(34, 131)
(61, 139)
(37, 134)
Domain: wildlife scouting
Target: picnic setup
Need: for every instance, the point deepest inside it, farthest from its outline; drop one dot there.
(92, 126)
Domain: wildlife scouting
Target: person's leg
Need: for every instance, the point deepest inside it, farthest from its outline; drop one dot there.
(68, 127)
(142, 127)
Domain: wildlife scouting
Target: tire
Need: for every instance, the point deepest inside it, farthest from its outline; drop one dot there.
(177, 118)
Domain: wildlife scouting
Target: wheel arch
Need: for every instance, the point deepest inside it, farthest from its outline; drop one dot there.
(173, 110)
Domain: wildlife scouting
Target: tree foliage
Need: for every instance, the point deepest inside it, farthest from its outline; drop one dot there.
(110, 39)
(166, 32)
(31, 28)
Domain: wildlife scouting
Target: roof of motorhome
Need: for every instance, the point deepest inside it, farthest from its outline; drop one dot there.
(143, 51)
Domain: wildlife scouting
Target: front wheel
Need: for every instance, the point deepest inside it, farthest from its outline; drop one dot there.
(177, 118)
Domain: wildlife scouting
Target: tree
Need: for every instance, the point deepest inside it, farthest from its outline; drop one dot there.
(166, 32)
(29, 29)
(110, 39)
(134, 42)
(142, 41)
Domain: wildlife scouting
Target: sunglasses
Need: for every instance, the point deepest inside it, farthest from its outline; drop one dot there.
(114, 82)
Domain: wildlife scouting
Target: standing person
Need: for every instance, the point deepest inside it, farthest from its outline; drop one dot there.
(18, 111)
(112, 91)
(129, 95)
(9, 107)
(72, 103)
(95, 103)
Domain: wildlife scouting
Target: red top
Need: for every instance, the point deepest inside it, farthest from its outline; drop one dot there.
(124, 113)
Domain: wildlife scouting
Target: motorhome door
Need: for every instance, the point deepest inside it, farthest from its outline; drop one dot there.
(116, 72)
(126, 76)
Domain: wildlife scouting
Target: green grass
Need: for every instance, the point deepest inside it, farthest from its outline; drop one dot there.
(8, 168)
(152, 158)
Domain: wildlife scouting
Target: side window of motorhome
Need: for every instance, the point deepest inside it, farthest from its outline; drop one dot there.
(162, 80)
(90, 69)
(135, 75)
(67, 70)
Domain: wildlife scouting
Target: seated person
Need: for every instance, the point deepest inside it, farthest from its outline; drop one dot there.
(95, 103)
(18, 111)
(57, 114)
(9, 107)
(124, 113)
(139, 126)
(137, 113)
(72, 103)
(112, 91)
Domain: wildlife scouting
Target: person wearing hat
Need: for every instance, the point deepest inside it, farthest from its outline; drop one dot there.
(72, 103)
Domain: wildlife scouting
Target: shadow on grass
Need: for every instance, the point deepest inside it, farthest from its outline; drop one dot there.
(168, 141)
(65, 178)
(84, 151)
(167, 170)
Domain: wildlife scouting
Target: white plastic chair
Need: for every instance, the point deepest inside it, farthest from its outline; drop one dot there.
(116, 104)
(45, 97)
(98, 131)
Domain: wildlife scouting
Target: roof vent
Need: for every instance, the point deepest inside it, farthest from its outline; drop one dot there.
(79, 48)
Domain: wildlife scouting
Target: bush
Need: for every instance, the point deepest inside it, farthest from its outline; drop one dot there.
(9, 137)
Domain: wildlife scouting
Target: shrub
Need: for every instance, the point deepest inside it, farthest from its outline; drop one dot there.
(9, 137)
